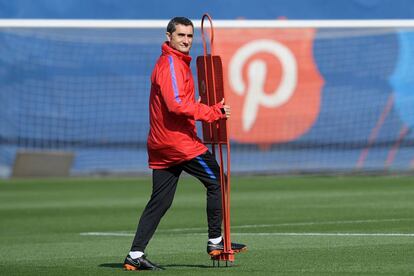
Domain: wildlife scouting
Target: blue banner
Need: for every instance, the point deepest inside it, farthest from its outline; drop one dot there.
(86, 91)
(219, 9)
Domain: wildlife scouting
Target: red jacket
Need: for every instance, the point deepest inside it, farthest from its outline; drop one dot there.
(173, 110)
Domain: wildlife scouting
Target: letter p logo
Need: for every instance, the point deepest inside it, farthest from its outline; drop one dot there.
(271, 82)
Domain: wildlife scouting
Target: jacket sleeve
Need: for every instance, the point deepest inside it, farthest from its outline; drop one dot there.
(171, 79)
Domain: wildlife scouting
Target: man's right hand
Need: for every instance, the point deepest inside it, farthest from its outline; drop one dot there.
(226, 109)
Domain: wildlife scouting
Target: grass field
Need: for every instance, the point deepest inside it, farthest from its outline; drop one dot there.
(292, 226)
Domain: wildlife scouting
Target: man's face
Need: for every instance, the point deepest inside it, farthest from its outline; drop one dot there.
(182, 38)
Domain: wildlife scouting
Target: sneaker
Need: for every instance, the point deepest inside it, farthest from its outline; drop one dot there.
(141, 263)
(216, 249)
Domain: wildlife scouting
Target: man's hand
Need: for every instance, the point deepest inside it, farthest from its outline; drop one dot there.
(225, 109)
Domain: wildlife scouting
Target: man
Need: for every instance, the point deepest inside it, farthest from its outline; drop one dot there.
(173, 145)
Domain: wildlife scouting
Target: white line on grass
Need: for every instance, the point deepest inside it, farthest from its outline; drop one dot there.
(322, 223)
(174, 230)
(291, 224)
(119, 234)
(330, 234)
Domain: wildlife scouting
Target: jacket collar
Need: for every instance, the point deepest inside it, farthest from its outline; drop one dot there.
(167, 50)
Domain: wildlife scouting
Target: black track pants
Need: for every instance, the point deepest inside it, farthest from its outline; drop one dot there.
(164, 183)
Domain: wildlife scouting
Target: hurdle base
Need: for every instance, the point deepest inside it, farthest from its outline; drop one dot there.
(226, 257)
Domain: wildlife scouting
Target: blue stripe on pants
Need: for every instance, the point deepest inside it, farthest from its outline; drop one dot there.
(206, 168)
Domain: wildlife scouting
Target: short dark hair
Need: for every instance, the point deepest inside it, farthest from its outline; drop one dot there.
(178, 20)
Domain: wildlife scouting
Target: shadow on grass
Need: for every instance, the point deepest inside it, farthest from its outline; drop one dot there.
(112, 265)
(187, 265)
(120, 265)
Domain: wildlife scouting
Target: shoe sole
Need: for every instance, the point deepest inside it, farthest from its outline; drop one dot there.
(216, 253)
(130, 267)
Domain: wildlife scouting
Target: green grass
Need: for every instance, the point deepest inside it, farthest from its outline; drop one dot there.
(41, 222)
